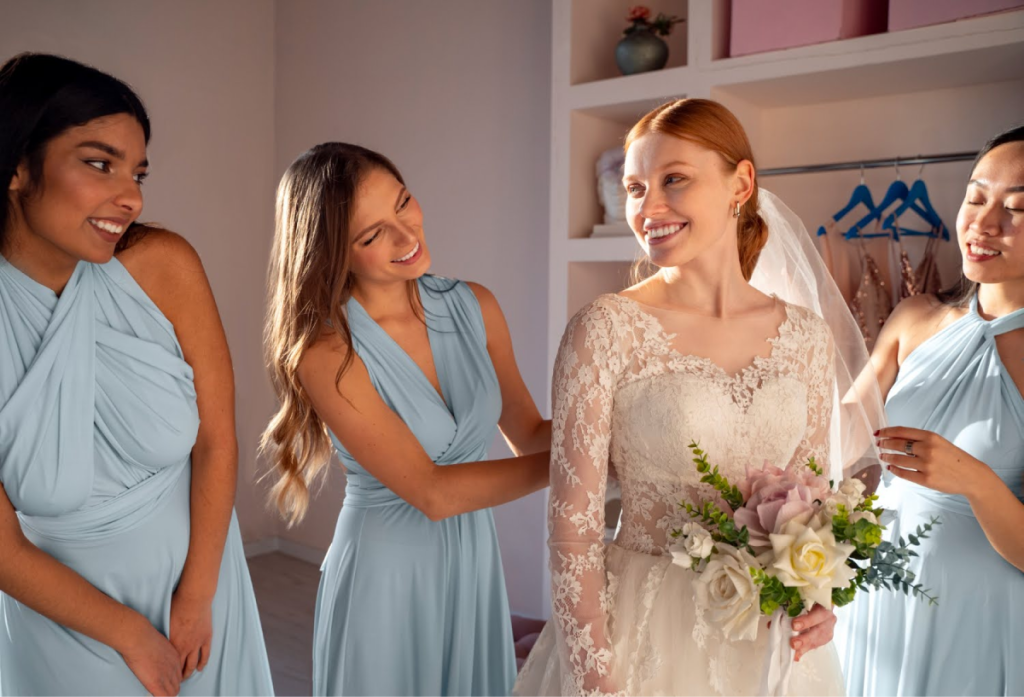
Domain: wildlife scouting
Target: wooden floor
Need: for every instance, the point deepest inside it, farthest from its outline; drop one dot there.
(286, 594)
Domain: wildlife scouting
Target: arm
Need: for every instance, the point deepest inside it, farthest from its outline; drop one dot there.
(940, 465)
(171, 273)
(381, 442)
(582, 394)
(521, 424)
(40, 582)
(911, 322)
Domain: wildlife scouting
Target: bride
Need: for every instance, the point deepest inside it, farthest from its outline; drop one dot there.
(694, 352)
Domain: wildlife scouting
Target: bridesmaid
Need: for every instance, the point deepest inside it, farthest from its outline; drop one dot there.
(407, 375)
(954, 370)
(122, 568)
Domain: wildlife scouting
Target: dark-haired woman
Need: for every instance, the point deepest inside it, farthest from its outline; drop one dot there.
(407, 376)
(953, 368)
(122, 568)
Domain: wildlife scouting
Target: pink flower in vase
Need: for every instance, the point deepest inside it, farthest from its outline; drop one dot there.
(638, 13)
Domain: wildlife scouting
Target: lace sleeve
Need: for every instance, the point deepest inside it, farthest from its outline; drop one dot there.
(820, 378)
(582, 391)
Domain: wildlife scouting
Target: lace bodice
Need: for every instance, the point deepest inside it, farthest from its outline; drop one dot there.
(626, 400)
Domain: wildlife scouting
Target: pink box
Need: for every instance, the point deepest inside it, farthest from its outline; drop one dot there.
(770, 25)
(907, 14)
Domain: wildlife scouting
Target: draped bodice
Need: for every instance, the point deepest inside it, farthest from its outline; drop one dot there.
(955, 384)
(458, 428)
(98, 414)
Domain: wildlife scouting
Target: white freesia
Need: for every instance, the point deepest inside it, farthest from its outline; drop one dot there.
(808, 557)
(729, 594)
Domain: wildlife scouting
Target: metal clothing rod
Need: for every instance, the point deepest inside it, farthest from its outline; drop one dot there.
(870, 164)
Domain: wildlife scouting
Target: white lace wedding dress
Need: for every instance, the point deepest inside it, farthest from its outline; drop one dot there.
(627, 402)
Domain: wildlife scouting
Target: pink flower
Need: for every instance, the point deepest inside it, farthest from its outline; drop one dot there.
(639, 13)
(775, 497)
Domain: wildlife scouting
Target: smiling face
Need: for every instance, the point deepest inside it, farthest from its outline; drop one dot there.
(386, 232)
(87, 196)
(990, 225)
(680, 200)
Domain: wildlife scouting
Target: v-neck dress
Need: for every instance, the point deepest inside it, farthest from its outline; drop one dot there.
(407, 605)
(971, 643)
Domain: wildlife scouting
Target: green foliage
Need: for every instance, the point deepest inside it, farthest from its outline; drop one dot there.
(775, 595)
(730, 493)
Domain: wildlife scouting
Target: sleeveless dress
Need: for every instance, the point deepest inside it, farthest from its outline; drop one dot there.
(407, 605)
(624, 618)
(971, 643)
(97, 424)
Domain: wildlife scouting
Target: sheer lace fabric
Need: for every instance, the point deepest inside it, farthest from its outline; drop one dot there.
(629, 398)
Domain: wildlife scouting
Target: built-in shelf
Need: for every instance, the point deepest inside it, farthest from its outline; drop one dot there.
(604, 249)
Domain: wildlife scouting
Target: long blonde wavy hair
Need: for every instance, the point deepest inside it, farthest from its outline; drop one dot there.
(310, 282)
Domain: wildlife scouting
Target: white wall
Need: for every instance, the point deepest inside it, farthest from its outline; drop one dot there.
(205, 71)
(457, 94)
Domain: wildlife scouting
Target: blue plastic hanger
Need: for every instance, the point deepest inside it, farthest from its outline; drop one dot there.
(917, 200)
(897, 192)
(861, 194)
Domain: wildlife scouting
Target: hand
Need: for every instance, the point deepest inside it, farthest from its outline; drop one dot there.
(150, 656)
(935, 463)
(812, 631)
(191, 631)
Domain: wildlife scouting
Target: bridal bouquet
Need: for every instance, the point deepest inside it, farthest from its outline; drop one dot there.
(782, 541)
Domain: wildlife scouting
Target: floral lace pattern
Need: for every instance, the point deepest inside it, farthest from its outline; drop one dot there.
(624, 398)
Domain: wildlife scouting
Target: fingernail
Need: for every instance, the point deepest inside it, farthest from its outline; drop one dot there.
(797, 626)
(877, 432)
(798, 645)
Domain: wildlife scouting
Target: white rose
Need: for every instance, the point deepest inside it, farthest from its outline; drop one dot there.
(809, 558)
(698, 541)
(864, 515)
(695, 544)
(832, 506)
(853, 491)
(729, 594)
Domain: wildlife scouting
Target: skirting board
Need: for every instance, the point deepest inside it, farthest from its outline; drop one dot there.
(302, 552)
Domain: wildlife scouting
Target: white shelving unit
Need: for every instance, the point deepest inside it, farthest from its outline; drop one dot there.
(593, 107)
(934, 89)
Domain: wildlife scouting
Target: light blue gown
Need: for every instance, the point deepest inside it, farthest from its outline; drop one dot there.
(972, 643)
(97, 422)
(407, 606)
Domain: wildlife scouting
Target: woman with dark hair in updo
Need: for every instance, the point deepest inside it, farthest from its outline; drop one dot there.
(123, 569)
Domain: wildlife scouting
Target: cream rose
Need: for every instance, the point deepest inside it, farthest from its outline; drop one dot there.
(864, 515)
(808, 557)
(729, 594)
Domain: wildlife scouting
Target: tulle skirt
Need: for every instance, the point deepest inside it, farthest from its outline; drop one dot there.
(662, 645)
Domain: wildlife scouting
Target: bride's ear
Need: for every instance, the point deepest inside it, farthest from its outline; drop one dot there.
(744, 181)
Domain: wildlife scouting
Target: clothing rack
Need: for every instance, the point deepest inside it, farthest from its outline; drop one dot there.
(870, 164)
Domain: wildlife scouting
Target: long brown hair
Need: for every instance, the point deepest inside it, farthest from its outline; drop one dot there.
(713, 126)
(310, 283)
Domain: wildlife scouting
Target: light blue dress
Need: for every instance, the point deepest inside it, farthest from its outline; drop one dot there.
(407, 606)
(972, 643)
(97, 422)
